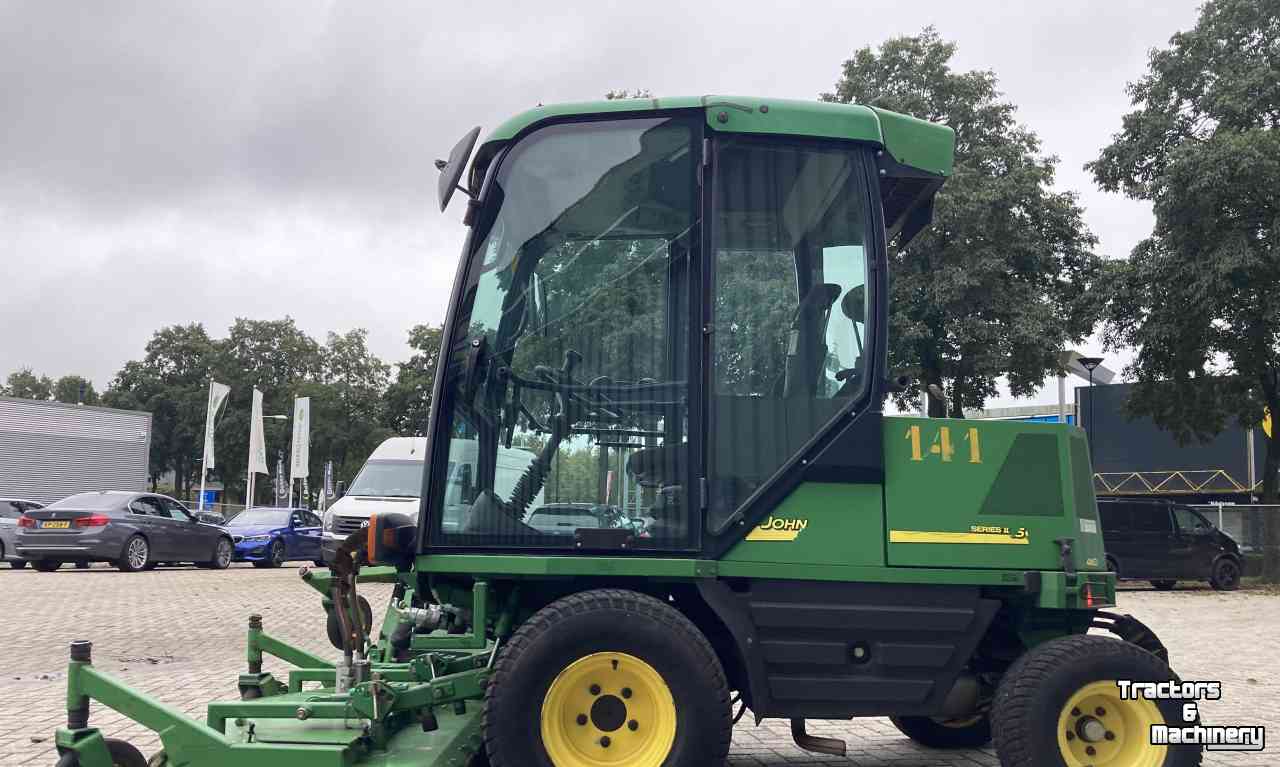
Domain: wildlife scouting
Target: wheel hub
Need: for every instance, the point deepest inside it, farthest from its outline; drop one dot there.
(1096, 728)
(608, 709)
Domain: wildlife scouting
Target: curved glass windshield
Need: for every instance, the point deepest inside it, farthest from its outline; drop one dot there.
(273, 517)
(568, 391)
(389, 479)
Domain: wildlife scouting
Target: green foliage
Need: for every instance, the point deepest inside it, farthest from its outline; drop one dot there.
(75, 390)
(408, 399)
(1197, 296)
(27, 385)
(1004, 277)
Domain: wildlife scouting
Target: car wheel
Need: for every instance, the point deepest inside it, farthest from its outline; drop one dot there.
(136, 555)
(966, 732)
(607, 669)
(319, 563)
(17, 564)
(1164, 585)
(124, 754)
(275, 555)
(1226, 575)
(1059, 704)
(46, 565)
(221, 555)
(1114, 566)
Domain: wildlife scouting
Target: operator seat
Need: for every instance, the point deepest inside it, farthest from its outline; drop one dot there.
(806, 342)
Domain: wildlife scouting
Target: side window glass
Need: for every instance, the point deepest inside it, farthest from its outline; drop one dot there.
(9, 510)
(177, 511)
(790, 307)
(1188, 521)
(143, 506)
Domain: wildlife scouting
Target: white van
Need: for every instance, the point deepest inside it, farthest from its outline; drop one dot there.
(391, 480)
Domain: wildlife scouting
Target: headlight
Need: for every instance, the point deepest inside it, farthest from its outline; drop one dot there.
(256, 538)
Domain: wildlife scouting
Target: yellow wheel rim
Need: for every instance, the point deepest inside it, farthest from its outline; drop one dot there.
(1096, 729)
(608, 708)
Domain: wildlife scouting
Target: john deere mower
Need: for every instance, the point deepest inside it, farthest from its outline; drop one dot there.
(661, 491)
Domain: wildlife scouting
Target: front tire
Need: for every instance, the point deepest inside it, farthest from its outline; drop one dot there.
(17, 564)
(46, 565)
(1163, 585)
(972, 732)
(1226, 575)
(607, 677)
(221, 556)
(275, 554)
(136, 555)
(124, 754)
(1060, 699)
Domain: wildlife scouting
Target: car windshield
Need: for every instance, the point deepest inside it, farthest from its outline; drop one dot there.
(89, 501)
(389, 479)
(276, 517)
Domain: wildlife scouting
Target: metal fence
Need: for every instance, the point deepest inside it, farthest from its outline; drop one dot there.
(1244, 522)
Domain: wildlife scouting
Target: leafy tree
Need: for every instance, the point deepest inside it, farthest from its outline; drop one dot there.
(1001, 281)
(1197, 296)
(408, 398)
(27, 385)
(171, 382)
(74, 390)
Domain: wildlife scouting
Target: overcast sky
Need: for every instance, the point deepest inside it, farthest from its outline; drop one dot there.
(172, 162)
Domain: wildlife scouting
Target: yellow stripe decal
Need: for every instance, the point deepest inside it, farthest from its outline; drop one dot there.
(920, 536)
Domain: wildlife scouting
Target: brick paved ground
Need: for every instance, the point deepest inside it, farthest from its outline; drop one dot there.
(178, 635)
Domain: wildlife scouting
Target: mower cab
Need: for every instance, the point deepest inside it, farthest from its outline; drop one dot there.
(659, 475)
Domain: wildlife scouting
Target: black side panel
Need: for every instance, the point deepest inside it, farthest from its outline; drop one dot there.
(832, 650)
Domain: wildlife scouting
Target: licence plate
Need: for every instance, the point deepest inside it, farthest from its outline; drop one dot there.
(55, 525)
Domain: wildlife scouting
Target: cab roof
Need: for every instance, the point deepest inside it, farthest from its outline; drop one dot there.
(923, 146)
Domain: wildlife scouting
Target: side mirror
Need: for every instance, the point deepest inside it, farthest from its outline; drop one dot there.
(392, 538)
(341, 489)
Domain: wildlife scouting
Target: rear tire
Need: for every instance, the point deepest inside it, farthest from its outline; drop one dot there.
(974, 732)
(17, 564)
(1164, 585)
(1055, 688)
(1226, 575)
(1114, 567)
(135, 556)
(607, 668)
(46, 565)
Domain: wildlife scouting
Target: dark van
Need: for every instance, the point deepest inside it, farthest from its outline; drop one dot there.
(1165, 542)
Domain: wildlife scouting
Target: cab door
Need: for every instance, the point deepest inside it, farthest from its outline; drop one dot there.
(1153, 542)
(1196, 546)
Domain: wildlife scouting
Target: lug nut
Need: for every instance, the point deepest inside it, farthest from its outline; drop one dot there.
(1110, 735)
(1100, 711)
(1075, 712)
(626, 692)
(582, 719)
(1090, 750)
(633, 725)
(605, 741)
(1071, 735)
(595, 689)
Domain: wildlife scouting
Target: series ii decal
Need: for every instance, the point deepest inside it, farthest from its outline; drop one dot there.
(778, 529)
(976, 534)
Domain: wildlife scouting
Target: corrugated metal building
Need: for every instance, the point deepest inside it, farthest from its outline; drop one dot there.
(49, 450)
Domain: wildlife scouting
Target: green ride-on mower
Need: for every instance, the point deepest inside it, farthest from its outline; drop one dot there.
(661, 491)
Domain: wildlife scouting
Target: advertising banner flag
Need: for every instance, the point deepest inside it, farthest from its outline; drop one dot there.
(217, 396)
(257, 442)
(301, 438)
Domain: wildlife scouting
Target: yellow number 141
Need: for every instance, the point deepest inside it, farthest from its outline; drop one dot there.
(941, 445)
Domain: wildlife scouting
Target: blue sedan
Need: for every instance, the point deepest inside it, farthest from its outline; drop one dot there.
(270, 536)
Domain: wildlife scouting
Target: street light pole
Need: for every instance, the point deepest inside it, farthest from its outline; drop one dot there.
(1089, 363)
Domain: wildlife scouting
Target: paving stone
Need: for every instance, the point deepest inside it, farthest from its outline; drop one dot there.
(178, 635)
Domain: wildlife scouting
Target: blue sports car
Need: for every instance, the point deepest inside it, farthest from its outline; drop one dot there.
(269, 536)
